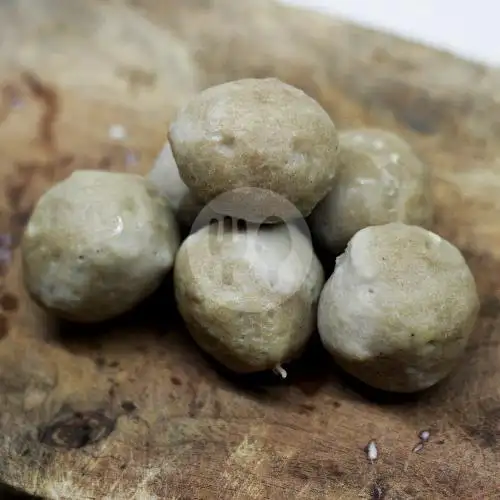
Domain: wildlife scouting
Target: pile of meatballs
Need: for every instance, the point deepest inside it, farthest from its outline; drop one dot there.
(253, 184)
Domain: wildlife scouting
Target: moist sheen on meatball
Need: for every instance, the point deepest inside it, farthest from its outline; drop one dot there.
(398, 310)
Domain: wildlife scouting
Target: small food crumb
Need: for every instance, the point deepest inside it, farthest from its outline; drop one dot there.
(418, 447)
(378, 144)
(424, 435)
(395, 157)
(280, 371)
(117, 132)
(372, 451)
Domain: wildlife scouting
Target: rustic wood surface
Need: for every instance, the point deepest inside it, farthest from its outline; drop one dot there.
(131, 409)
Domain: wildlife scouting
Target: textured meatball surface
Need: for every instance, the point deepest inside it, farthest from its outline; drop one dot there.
(398, 310)
(249, 297)
(256, 133)
(96, 244)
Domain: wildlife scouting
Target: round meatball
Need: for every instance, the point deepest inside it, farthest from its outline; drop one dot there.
(248, 295)
(165, 176)
(256, 133)
(96, 244)
(379, 180)
(398, 310)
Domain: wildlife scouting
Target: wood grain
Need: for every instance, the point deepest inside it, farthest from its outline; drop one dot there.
(131, 409)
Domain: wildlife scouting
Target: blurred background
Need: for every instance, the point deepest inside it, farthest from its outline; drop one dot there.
(468, 28)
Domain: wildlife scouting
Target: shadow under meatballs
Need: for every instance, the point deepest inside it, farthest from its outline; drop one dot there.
(8, 492)
(373, 395)
(309, 373)
(327, 257)
(157, 315)
(316, 368)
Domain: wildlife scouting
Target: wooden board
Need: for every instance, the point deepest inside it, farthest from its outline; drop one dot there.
(131, 409)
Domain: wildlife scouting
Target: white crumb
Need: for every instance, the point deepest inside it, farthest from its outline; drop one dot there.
(280, 371)
(372, 451)
(117, 132)
(395, 157)
(424, 435)
(378, 144)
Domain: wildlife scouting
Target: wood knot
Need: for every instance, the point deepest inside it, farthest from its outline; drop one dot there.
(9, 302)
(77, 430)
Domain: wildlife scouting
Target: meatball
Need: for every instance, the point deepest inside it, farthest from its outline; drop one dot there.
(398, 309)
(96, 244)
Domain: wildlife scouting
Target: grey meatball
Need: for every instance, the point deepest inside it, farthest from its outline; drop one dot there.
(165, 176)
(256, 133)
(398, 310)
(96, 244)
(379, 180)
(248, 296)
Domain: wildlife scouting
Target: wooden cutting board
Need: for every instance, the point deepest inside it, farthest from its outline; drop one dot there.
(131, 409)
